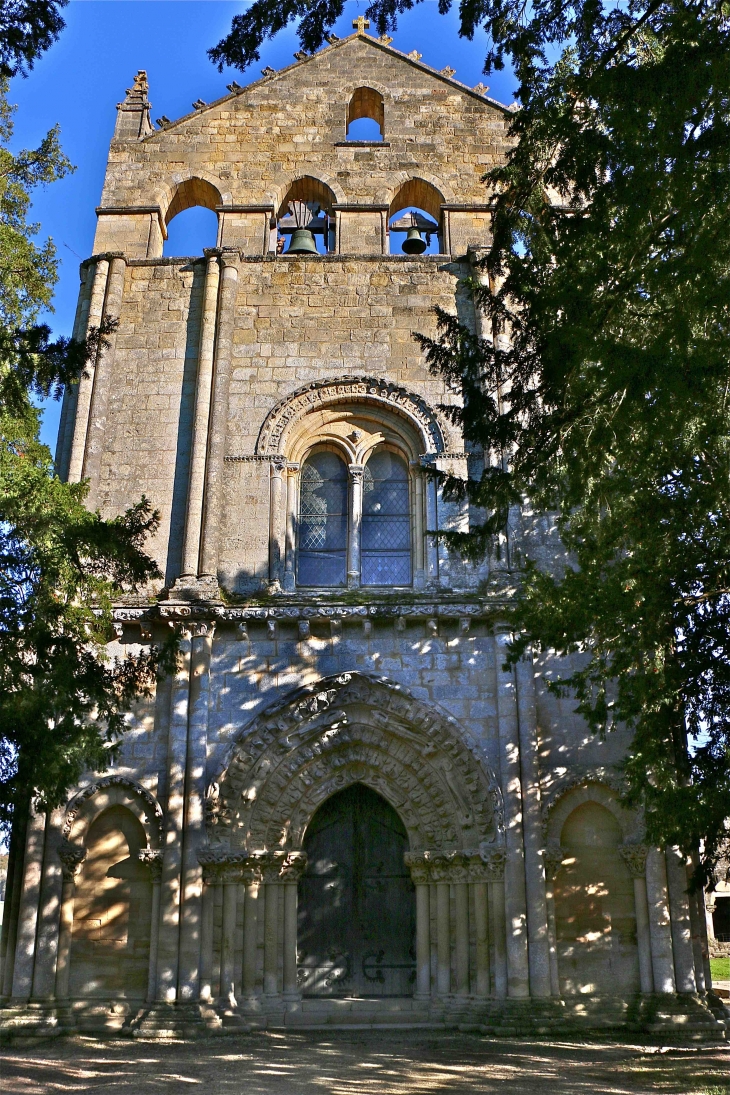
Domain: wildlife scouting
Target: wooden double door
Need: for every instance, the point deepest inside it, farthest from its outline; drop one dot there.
(356, 929)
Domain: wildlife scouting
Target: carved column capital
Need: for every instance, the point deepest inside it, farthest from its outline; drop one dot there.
(71, 856)
(419, 868)
(634, 856)
(152, 859)
(553, 859)
(293, 867)
(356, 471)
(251, 875)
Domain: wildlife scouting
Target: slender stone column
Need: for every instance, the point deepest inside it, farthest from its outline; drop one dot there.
(203, 391)
(292, 479)
(291, 872)
(230, 876)
(432, 524)
(213, 504)
(354, 531)
(461, 915)
(659, 921)
(440, 874)
(49, 909)
(71, 856)
(28, 917)
(518, 980)
(419, 523)
(96, 436)
(684, 973)
(634, 856)
(70, 395)
(538, 945)
(421, 881)
(252, 882)
(277, 471)
(13, 891)
(206, 935)
(499, 933)
(152, 858)
(170, 895)
(86, 381)
(553, 861)
(271, 928)
(201, 645)
(481, 931)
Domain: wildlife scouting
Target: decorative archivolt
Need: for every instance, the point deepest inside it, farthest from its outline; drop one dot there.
(602, 788)
(355, 729)
(351, 393)
(86, 806)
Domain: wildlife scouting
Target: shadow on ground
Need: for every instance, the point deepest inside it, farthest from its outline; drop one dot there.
(360, 1063)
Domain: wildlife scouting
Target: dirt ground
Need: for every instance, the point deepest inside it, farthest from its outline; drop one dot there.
(360, 1063)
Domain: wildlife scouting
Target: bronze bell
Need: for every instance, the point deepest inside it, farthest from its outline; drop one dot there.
(302, 243)
(414, 244)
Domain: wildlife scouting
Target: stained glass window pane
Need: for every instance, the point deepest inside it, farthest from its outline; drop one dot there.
(386, 521)
(323, 521)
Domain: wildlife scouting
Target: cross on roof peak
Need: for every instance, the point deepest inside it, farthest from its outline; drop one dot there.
(360, 24)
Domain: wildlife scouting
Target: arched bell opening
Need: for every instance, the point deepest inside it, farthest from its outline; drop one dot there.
(366, 116)
(415, 220)
(191, 220)
(356, 904)
(305, 222)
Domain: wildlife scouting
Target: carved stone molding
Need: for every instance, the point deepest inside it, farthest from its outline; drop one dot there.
(361, 389)
(221, 865)
(634, 856)
(354, 729)
(153, 810)
(173, 613)
(485, 865)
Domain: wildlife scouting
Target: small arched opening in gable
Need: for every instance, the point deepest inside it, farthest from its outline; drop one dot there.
(305, 222)
(191, 219)
(415, 220)
(366, 115)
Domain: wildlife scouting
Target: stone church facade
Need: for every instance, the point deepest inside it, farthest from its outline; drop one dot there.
(342, 808)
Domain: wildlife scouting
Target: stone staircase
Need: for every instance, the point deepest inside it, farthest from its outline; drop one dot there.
(685, 1018)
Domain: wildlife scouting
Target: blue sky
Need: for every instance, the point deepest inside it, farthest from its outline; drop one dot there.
(79, 81)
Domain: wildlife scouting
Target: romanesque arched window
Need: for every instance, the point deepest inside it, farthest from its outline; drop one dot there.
(354, 521)
(386, 521)
(323, 521)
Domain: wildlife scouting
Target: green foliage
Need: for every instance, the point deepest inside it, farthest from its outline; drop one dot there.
(600, 389)
(62, 699)
(27, 29)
